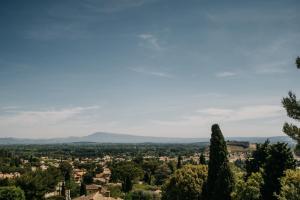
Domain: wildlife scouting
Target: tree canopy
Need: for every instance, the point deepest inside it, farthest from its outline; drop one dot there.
(187, 183)
(11, 193)
(290, 185)
(126, 172)
(280, 159)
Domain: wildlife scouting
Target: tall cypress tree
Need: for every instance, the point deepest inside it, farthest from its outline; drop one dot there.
(220, 177)
(292, 107)
(179, 160)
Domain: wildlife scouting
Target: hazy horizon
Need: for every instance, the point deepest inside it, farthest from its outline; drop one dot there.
(163, 68)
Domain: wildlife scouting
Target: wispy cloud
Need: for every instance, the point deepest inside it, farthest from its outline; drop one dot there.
(208, 116)
(150, 41)
(31, 118)
(226, 74)
(152, 73)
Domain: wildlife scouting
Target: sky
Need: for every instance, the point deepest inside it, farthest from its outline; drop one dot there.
(146, 67)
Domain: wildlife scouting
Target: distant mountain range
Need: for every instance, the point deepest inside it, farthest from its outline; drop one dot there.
(102, 137)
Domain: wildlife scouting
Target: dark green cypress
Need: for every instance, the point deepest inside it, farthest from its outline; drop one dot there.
(179, 164)
(202, 160)
(220, 177)
(83, 189)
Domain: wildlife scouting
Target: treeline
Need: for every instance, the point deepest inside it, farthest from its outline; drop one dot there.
(61, 151)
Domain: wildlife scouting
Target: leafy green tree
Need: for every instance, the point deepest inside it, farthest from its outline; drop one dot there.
(126, 172)
(290, 185)
(248, 189)
(11, 193)
(186, 183)
(292, 107)
(73, 187)
(161, 174)
(149, 167)
(280, 159)
(33, 184)
(66, 170)
(258, 158)
(172, 166)
(220, 178)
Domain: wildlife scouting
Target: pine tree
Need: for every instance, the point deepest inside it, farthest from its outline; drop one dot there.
(279, 160)
(220, 177)
(292, 107)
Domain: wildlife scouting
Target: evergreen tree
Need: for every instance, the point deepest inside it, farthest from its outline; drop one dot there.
(220, 177)
(202, 160)
(258, 158)
(82, 189)
(279, 160)
(179, 164)
(63, 190)
(292, 107)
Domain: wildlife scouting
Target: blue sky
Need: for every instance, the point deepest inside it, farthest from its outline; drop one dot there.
(146, 67)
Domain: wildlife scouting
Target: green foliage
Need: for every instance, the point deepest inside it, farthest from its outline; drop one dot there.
(298, 62)
(126, 172)
(179, 162)
(292, 107)
(142, 195)
(249, 189)
(280, 159)
(66, 170)
(73, 187)
(149, 166)
(56, 198)
(290, 185)
(115, 191)
(88, 178)
(82, 189)
(161, 174)
(202, 159)
(258, 158)
(220, 178)
(187, 183)
(36, 184)
(11, 193)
